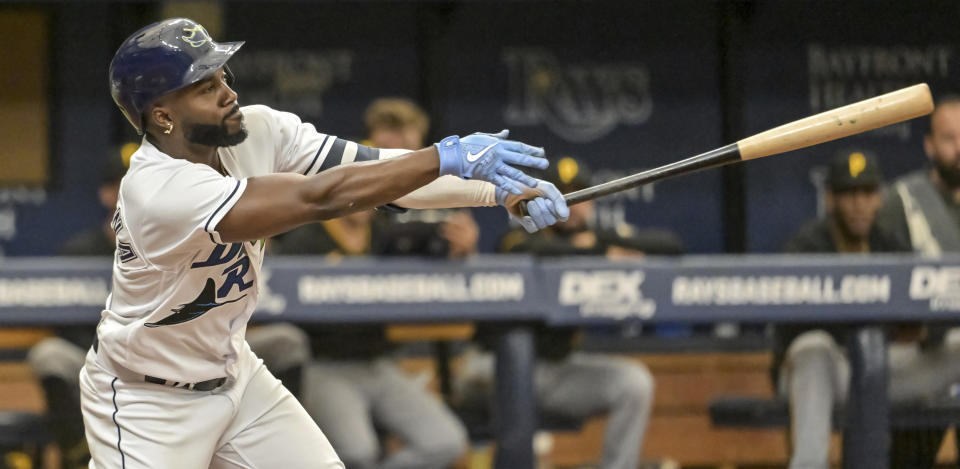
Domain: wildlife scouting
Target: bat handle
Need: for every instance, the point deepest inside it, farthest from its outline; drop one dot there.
(523, 208)
(571, 198)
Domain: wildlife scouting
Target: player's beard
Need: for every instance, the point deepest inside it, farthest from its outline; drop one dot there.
(949, 173)
(215, 135)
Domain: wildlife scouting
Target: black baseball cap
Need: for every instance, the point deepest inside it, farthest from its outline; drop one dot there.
(569, 174)
(854, 169)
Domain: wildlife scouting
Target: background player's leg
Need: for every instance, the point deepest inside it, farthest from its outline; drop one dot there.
(919, 374)
(587, 385)
(334, 395)
(284, 348)
(433, 437)
(57, 362)
(271, 430)
(815, 376)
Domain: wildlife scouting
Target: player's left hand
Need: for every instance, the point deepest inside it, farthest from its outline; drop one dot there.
(489, 157)
(545, 205)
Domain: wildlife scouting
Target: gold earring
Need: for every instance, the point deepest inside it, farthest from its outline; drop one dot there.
(169, 129)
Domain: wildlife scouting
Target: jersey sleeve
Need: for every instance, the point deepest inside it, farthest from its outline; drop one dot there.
(183, 210)
(301, 148)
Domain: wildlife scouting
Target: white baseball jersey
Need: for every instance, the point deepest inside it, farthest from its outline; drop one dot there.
(181, 298)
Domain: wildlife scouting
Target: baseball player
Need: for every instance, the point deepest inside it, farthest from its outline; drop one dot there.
(170, 381)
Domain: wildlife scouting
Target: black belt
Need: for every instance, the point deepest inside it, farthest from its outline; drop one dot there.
(208, 385)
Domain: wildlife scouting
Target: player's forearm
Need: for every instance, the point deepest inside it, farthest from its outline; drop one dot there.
(450, 192)
(446, 191)
(277, 203)
(351, 188)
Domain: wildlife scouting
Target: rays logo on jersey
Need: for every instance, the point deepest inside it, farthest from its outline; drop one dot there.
(204, 302)
(233, 274)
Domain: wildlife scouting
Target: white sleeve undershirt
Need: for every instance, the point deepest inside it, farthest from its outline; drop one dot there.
(445, 191)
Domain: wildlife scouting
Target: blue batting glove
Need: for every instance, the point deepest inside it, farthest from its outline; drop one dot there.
(489, 157)
(543, 211)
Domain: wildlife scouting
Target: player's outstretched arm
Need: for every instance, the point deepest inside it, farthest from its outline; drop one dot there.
(481, 160)
(483, 155)
(277, 203)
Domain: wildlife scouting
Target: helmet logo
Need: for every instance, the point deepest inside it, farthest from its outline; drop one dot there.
(197, 37)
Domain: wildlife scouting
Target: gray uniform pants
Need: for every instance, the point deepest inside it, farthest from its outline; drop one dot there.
(816, 374)
(57, 357)
(57, 363)
(351, 400)
(354, 401)
(583, 386)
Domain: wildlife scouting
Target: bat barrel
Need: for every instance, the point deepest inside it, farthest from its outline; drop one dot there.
(897, 106)
(890, 108)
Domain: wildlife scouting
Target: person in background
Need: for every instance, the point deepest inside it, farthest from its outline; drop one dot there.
(56, 361)
(401, 123)
(101, 239)
(810, 366)
(922, 208)
(395, 123)
(569, 383)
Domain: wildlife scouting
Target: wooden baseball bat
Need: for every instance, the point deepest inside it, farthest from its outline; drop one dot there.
(896, 106)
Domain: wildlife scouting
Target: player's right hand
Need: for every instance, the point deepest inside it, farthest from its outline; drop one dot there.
(489, 157)
(545, 206)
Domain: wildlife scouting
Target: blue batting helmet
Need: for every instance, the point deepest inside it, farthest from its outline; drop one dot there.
(160, 58)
